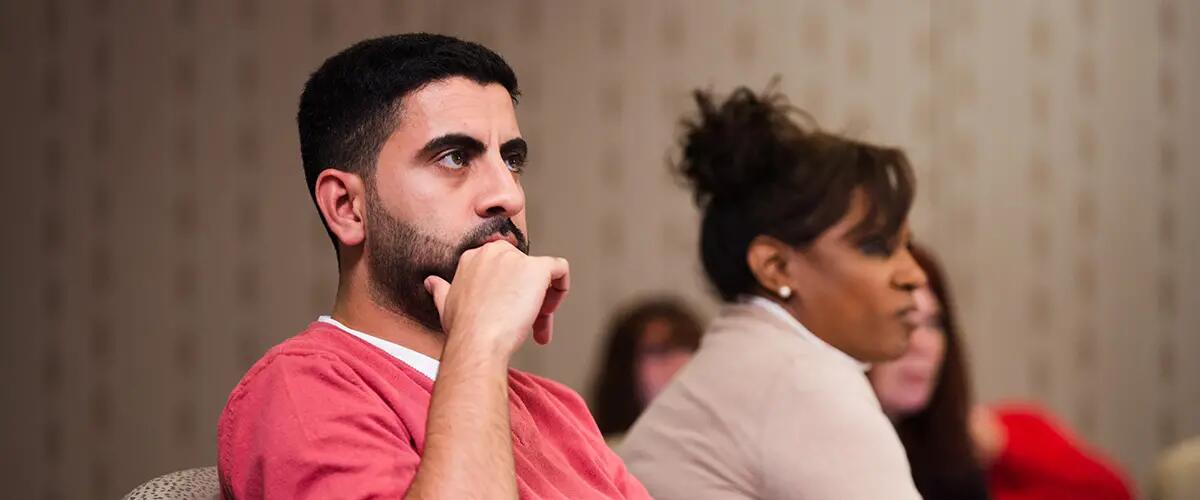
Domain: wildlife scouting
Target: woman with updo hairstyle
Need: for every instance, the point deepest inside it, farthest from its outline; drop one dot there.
(805, 238)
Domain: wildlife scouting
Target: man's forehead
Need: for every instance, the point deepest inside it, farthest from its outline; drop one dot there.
(458, 105)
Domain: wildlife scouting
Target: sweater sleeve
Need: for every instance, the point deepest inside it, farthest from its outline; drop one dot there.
(824, 436)
(1040, 460)
(304, 426)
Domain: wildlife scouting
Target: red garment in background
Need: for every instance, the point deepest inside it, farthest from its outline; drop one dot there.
(1040, 461)
(326, 415)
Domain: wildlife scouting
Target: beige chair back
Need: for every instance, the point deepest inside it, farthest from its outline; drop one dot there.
(191, 484)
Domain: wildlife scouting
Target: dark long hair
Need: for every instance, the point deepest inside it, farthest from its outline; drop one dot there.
(615, 401)
(937, 438)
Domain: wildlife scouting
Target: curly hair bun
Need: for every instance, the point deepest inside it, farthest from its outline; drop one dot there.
(733, 148)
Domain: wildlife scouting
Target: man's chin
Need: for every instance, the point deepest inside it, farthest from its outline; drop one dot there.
(425, 319)
(416, 307)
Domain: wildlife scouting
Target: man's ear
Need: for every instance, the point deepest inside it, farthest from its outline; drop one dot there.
(768, 259)
(340, 197)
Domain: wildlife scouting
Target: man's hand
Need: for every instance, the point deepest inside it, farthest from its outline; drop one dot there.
(498, 296)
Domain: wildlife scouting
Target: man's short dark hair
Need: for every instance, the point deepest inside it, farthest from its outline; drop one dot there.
(351, 104)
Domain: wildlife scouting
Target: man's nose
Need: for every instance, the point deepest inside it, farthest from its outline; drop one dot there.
(500, 193)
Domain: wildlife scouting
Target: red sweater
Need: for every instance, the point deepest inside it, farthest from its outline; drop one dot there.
(1041, 462)
(326, 415)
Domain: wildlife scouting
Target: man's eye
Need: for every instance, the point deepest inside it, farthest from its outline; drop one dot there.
(453, 160)
(516, 163)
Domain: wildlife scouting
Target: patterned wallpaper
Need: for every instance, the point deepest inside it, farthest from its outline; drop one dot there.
(162, 237)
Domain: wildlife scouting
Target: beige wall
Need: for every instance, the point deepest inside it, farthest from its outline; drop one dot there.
(161, 238)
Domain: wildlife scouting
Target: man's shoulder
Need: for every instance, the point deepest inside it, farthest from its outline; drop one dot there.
(319, 354)
(525, 381)
(541, 388)
(313, 346)
(317, 343)
(315, 338)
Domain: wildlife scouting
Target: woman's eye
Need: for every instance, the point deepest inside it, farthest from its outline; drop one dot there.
(876, 246)
(453, 160)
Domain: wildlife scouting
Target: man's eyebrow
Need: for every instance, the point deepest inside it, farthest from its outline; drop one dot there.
(517, 145)
(463, 142)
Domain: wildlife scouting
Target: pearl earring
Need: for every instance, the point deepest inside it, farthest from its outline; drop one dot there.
(785, 292)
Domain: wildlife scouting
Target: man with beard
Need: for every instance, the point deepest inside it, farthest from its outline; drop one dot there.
(413, 157)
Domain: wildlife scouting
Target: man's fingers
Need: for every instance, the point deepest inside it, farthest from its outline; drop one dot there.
(560, 284)
(505, 267)
(560, 273)
(438, 288)
(552, 300)
(543, 328)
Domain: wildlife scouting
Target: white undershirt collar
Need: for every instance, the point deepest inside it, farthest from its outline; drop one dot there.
(419, 362)
(804, 333)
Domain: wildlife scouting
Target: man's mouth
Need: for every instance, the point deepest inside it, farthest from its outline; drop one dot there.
(498, 237)
(495, 229)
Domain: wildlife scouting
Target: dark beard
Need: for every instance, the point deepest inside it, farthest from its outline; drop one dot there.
(400, 257)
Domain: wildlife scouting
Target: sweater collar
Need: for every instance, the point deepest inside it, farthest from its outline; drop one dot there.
(785, 319)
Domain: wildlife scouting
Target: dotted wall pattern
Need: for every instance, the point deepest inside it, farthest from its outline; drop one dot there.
(167, 239)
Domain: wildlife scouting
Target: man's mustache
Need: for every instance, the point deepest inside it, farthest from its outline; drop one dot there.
(497, 225)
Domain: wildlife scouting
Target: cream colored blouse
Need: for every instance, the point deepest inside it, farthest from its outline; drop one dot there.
(767, 410)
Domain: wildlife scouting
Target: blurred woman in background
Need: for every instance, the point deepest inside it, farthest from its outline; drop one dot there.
(962, 452)
(805, 237)
(648, 342)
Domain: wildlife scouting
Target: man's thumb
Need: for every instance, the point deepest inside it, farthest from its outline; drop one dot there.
(438, 288)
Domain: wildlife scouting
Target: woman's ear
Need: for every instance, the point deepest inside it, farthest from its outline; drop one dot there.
(340, 198)
(768, 261)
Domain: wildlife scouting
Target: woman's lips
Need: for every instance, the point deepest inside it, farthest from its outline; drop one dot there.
(906, 318)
